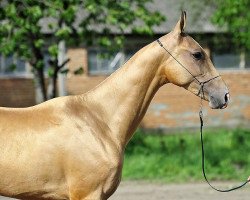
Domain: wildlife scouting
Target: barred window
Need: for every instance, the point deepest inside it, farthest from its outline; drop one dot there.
(11, 65)
(14, 66)
(226, 60)
(99, 65)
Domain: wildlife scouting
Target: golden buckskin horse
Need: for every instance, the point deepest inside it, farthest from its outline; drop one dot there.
(72, 147)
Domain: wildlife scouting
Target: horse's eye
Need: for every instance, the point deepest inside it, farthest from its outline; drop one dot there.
(198, 55)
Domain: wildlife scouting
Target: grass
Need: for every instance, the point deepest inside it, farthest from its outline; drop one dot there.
(177, 157)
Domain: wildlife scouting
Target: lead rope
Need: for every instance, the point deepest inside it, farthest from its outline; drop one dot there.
(202, 96)
(203, 151)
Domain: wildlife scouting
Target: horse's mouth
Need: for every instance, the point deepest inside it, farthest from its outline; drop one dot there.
(218, 105)
(224, 106)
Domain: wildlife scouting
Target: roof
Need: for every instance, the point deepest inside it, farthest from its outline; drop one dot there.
(198, 17)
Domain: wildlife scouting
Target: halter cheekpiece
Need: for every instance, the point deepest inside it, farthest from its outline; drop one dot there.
(202, 96)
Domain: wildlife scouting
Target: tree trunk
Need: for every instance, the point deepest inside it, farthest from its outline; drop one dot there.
(52, 87)
(57, 81)
(37, 64)
(40, 85)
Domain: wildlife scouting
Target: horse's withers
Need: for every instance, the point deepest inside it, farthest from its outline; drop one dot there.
(72, 147)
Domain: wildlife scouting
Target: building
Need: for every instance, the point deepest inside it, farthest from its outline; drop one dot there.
(172, 107)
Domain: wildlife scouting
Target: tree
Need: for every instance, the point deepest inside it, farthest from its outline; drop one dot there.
(100, 22)
(235, 16)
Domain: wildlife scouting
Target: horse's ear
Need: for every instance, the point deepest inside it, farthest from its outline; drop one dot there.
(179, 28)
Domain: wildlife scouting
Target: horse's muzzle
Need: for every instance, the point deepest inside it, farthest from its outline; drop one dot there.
(219, 101)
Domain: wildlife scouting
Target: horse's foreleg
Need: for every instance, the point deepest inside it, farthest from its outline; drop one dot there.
(92, 196)
(81, 195)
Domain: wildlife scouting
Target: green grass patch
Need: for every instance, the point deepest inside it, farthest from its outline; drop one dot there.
(177, 157)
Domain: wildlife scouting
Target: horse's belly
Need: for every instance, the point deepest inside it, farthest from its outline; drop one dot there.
(31, 166)
(25, 181)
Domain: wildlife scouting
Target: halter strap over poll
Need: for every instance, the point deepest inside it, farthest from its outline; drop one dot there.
(202, 96)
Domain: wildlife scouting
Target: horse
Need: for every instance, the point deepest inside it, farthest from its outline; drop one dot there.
(72, 147)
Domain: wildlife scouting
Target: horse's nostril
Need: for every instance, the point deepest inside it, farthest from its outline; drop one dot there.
(227, 97)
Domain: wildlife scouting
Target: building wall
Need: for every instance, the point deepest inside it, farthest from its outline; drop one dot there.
(174, 107)
(78, 58)
(17, 92)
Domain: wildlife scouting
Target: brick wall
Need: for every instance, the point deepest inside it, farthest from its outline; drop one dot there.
(174, 107)
(78, 58)
(17, 92)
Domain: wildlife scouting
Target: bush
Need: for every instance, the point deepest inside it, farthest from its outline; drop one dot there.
(178, 157)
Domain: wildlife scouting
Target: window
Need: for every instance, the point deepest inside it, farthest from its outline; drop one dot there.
(231, 60)
(14, 66)
(101, 65)
(226, 60)
(11, 65)
(104, 66)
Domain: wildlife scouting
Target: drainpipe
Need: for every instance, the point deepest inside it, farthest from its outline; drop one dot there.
(61, 77)
(242, 59)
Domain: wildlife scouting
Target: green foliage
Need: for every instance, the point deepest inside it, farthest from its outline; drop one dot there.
(235, 16)
(110, 16)
(39, 43)
(12, 68)
(100, 22)
(79, 71)
(51, 72)
(64, 71)
(62, 33)
(177, 158)
(53, 51)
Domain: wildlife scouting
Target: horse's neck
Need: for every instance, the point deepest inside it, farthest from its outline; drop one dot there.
(123, 98)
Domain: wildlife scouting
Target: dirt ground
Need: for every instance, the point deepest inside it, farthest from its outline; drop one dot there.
(191, 191)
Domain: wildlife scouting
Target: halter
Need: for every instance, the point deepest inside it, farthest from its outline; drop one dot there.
(202, 96)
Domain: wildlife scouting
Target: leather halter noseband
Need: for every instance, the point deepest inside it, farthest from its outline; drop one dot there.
(202, 96)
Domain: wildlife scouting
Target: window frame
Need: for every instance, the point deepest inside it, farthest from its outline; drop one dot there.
(119, 58)
(25, 73)
(242, 60)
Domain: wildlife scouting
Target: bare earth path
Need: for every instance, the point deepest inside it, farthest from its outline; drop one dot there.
(187, 191)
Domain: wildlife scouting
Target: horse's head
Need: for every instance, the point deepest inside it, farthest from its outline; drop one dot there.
(186, 64)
